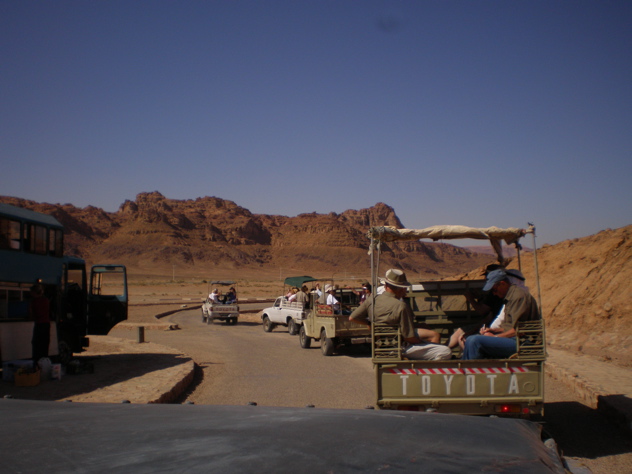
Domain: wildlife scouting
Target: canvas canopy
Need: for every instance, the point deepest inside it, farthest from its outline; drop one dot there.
(298, 281)
(495, 235)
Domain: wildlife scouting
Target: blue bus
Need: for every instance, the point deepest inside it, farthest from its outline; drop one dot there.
(31, 251)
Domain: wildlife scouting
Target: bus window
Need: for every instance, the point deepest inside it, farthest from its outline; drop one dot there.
(10, 237)
(4, 311)
(108, 281)
(18, 308)
(37, 238)
(55, 242)
(76, 278)
(107, 298)
(12, 304)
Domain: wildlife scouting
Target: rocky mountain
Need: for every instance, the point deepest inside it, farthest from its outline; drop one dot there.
(213, 235)
(586, 287)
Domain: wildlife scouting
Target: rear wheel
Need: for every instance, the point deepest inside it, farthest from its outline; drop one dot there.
(267, 324)
(203, 317)
(305, 341)
(326, 344)
(292, 327)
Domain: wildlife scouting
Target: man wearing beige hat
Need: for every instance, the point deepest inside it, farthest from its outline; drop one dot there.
(392, 310)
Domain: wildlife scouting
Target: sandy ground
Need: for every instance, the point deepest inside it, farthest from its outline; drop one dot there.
(150, 298)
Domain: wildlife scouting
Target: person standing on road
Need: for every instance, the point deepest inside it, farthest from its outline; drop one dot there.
(500, 343)
(39, 312)
(392, 310)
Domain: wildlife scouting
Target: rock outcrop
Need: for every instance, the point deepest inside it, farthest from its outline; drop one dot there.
(153, 233)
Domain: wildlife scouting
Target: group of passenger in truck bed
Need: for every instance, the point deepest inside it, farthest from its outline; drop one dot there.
(506, 302)
(339, 302)
(229, 298)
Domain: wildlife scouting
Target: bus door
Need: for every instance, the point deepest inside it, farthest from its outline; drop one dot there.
(71, 315)
(107, 298)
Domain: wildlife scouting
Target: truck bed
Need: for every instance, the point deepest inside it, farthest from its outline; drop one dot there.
(338, 325)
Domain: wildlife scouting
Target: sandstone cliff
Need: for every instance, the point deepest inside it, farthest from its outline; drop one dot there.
(211, 235)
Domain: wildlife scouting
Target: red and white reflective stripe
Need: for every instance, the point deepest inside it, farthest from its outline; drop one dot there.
(455, 371)
(497, 370)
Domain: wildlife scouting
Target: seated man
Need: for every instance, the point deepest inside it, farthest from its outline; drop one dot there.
(392, 310)
(485, 304)
(500, 343)
(214, 296)
(231, 296)
(488, 305)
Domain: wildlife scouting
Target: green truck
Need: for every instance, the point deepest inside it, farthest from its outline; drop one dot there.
(507, 387)
(333, 330)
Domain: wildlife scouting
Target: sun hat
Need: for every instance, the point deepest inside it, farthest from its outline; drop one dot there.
(493, 278)
(395, 277)
(328, 288)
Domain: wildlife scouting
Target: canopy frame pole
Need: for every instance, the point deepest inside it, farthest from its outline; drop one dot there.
(535, 268)
(375, 259)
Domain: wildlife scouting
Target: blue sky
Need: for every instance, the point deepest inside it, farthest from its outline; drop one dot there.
(470, 112)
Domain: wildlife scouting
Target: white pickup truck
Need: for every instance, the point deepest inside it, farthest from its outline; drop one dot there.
(284, 313)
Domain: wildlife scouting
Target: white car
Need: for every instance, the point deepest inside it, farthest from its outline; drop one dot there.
(284, 313)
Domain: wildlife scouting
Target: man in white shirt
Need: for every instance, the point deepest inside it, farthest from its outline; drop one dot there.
(331, 298)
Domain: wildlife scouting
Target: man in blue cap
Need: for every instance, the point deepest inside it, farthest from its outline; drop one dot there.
(500, 343)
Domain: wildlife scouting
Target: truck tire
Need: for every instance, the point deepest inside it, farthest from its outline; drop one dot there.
(326, 344)
(292, 327)
(268, 325)
(203, 317)
(305, 341)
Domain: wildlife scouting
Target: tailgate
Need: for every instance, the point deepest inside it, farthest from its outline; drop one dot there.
(225, 308)
(346, 328)
(468, 387)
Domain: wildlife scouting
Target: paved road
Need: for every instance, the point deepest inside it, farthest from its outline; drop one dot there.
(243, 364)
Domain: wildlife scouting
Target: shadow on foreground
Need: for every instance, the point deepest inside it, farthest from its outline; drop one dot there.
(109, 370)
(581, 431)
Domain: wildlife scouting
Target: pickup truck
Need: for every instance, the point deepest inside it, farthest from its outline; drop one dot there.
(288, 313)
(284, 313)
(333, 330)
(222, 310)
(508, 387)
